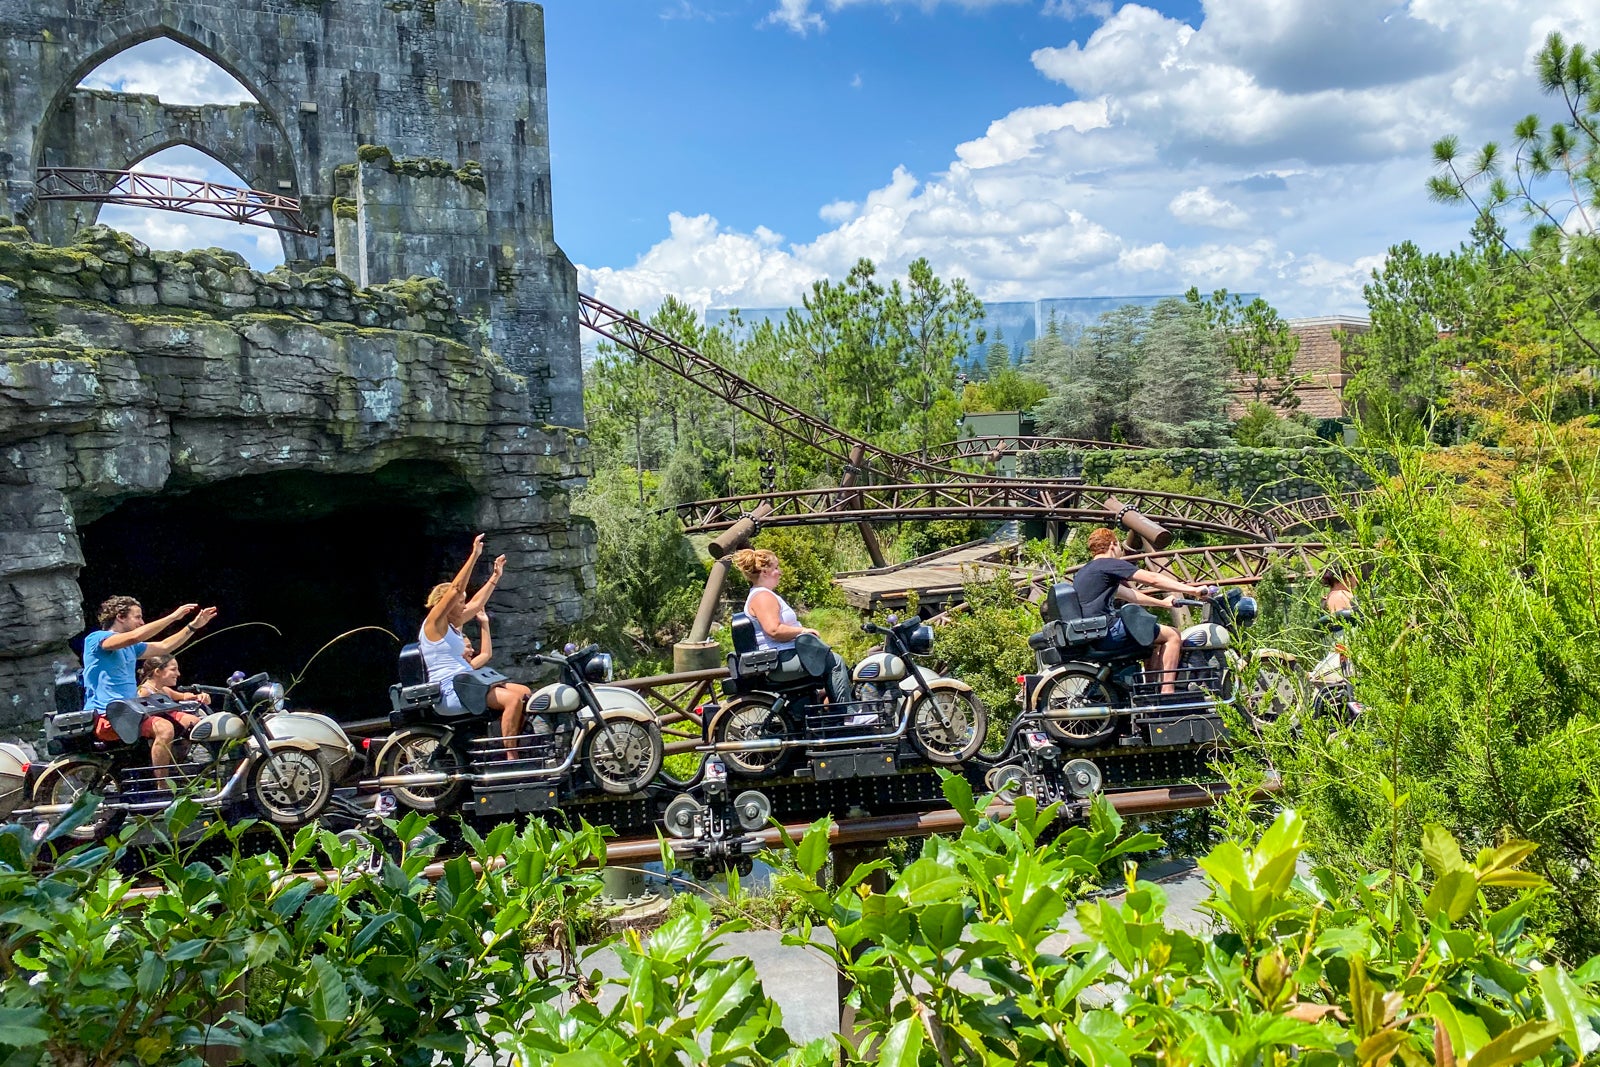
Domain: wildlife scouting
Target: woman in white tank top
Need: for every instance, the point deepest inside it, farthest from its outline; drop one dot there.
(777, 625)
(444, 648)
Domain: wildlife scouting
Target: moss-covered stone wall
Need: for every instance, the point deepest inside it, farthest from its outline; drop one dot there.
(129, 373)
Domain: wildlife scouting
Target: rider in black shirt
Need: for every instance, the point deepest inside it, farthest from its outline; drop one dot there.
(1106, 579)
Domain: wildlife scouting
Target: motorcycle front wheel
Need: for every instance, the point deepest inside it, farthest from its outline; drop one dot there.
(948, 727)
(289, 786)
(421, 751)
(622, 755)
(1068, 691)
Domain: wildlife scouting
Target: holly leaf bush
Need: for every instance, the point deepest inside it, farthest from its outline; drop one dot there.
(996, 945)
(977, 955)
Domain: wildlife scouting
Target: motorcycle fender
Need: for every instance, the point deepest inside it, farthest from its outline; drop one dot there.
(64, 760)
(615, 698)
(422, 729)
(619, 714)
(1288, 659)
(709, 729)
(935, 681)
(279, 743)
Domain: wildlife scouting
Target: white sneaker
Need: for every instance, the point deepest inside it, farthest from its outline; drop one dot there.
(862, 720)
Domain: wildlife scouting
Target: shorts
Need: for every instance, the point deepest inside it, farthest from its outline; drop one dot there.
(181, 722)
(1118, 641)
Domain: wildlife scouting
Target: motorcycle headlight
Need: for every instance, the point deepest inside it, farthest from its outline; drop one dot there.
(920, 643)
(598, 667)
(270, 694)
(1245, 610)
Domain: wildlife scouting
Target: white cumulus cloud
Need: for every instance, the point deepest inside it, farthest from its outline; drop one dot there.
(1274, 146)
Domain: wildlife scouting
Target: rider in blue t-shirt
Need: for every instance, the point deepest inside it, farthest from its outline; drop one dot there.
(111, 656)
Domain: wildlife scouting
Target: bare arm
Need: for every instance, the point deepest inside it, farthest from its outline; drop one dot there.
(485, 643)
(145, 632)
(436, 623)
(1167, 582)
(770, 616)
(1134, 596)
(171, 644)
(480, 599)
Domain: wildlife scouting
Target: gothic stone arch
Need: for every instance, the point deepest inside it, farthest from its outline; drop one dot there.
(448, 79)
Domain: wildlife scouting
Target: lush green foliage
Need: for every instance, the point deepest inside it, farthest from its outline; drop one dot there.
(1475, 659)
(963, 959)
(1258, 342)
(377, 967)
(973, 954)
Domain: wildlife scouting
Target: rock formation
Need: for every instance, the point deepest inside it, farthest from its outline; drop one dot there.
(125, 374)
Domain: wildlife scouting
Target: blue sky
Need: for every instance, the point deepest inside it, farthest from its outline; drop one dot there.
(730, 151)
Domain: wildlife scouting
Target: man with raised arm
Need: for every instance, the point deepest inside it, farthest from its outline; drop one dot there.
(111, 658)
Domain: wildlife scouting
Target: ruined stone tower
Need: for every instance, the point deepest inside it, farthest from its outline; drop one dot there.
(311, 448)
(447, 80)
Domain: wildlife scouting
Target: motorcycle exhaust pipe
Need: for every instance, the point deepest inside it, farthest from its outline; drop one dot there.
(420, 781)
(760, 744)
(1097, 712)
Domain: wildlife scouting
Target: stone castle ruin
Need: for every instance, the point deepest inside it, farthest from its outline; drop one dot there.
(310, 447)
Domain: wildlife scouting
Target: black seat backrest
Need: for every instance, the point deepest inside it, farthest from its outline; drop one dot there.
(744, 633)
(69, 688)
(1061, 604)
(413, 671)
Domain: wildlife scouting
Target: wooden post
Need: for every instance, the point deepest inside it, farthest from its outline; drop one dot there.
(697, 652)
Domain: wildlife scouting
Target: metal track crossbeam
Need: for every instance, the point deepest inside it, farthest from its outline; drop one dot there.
(168, 192)
(1000, 499)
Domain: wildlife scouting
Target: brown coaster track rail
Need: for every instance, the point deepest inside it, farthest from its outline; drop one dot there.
(1000, 499)
(168, 192)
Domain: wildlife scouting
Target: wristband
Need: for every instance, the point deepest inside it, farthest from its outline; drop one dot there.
(189, 626)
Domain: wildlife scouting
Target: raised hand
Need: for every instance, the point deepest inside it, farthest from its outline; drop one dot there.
(181, 611)
(499, 567)
(205, 616)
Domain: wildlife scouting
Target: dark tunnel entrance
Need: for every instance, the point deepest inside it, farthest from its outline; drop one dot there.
(313, 555)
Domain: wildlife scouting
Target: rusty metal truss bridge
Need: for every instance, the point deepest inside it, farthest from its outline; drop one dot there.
(168, 192)
(1234, 564)
(1313, 512)
(998, 499)
(623, 329)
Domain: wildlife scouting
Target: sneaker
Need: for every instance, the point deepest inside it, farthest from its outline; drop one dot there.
(862, 720)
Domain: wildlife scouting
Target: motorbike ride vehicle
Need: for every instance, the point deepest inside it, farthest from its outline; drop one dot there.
(1084, 696)
(774, 715)
(579, 731)
(244, 749)
(1333, 690)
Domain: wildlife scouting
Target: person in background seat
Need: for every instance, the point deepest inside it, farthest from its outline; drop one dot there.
(111, 656)
(778, 627)
(159, 675)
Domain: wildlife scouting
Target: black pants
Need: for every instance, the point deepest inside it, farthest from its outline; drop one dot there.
(824, 664)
